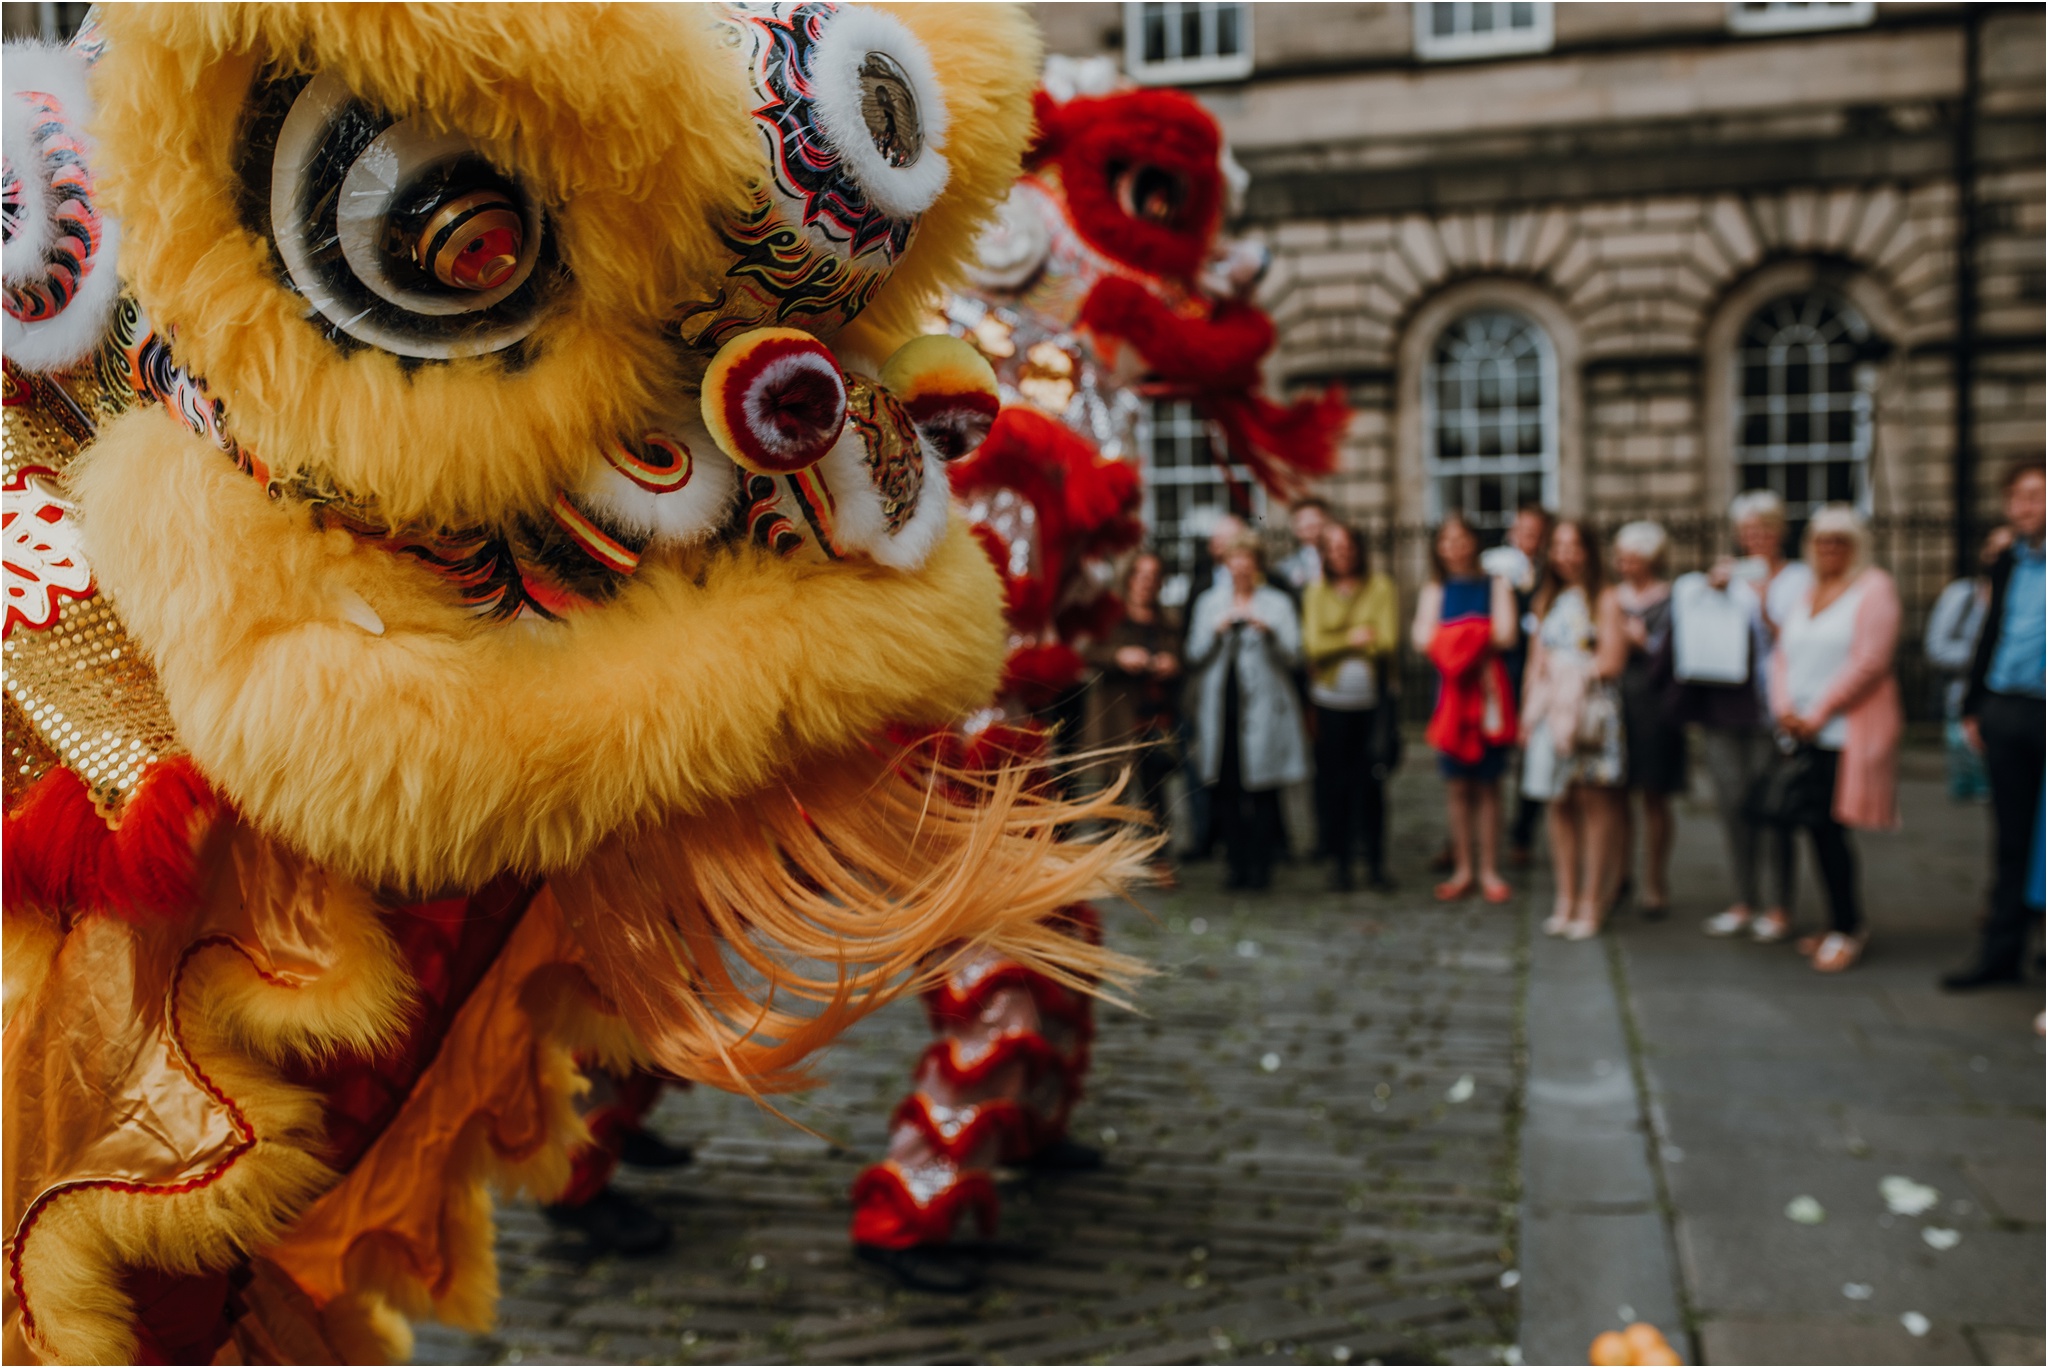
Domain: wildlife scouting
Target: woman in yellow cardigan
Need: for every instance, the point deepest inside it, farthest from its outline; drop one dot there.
(1350, 630)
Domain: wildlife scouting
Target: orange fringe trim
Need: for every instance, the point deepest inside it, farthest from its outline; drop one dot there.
(739, 941)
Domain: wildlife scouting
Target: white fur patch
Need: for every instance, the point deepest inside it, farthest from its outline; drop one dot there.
(677, 518)
(1015, 244)
(899, 191)
(58, 343)
(859, 521)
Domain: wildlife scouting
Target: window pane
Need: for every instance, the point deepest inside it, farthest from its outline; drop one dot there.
(1798, 428)
(1443, 20)
(1756, 430)
(1190, 31)
(1796, 485)
(1841, 482)
(1482, 17)
(1521, 15)
(1155, 33)
(1228, 17)
(1489, 387)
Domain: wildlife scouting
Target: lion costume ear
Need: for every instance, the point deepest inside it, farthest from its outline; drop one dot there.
(1049, 133)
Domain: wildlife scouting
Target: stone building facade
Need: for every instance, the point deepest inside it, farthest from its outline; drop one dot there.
(1632, 259)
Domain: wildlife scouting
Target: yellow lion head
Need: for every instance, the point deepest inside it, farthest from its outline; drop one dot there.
(451, 541)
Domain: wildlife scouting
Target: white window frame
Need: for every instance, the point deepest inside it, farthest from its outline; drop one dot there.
(1434, 470)
(1464, 44)
(1181, 70)
(1779, 17)
(1184, 422)
(1814, 455)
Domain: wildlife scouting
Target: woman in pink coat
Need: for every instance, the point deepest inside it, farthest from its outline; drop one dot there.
(1832, 688)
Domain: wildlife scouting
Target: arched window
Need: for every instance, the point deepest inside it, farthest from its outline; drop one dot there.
(1804, 408)
(1490, 422)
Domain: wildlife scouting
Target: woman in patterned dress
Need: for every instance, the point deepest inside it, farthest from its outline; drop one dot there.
(1575, 759)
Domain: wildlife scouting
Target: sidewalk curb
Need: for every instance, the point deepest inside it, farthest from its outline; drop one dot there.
(1596, 1245)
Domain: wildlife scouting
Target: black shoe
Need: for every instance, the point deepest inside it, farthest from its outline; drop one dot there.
(1067, 1155)
(615, 1223)
(645, 1149)
(1378, 882)
(1978, 976)
(924, 1268)
(1340, 879)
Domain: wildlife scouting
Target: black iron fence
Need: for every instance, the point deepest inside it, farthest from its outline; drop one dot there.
(1915, 548)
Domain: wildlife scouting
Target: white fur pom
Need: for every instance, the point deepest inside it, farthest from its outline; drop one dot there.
(68, 336)
(678, 517)
(1013, 247)
(856, 31)
(1068, 77)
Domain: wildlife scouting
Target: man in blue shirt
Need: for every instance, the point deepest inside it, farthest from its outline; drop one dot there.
(2004, 714)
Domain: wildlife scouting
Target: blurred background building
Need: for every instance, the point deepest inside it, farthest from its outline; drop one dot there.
(1627, 259)
(1631, 259)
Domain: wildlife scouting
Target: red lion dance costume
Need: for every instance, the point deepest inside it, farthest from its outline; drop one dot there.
(477, 518)
(1106, 284)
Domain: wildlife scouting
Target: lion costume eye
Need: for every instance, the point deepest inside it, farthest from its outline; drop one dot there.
(878, 101)
(401, 236)
(1150, 194)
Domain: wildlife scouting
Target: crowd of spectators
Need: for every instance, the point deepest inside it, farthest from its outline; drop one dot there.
(1577, 667)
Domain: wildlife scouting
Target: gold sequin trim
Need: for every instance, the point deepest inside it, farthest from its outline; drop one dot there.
(78, 692)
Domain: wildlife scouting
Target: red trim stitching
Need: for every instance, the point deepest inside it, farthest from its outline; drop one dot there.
(248, 1141)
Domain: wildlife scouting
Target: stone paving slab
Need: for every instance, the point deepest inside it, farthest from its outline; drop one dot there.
(1335, 1207)
(1770, 1082)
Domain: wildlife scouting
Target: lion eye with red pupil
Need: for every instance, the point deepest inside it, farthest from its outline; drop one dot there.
(1150, 194)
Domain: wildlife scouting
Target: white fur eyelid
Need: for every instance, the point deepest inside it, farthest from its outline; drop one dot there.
(855, 31)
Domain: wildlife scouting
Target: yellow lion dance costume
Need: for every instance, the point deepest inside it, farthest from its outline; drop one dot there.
(476, 512)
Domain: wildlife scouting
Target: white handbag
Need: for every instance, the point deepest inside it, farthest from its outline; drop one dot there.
(1710, 633)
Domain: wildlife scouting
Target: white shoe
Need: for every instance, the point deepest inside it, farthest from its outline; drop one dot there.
(1730, 923)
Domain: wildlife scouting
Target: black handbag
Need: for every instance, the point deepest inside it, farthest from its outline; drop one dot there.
(1796, 789)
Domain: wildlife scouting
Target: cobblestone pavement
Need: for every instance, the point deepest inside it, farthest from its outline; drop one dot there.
(1310, 1131)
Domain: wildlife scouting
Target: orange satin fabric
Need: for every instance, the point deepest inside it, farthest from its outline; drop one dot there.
(495, 1074)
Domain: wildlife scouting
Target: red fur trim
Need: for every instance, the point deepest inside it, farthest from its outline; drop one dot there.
(1094, 139)
(1040, 674)
(61, 854)
(1086, 506)
(1034, 1052)
(1047, 132)
(945, 1005)
(1222, 350)
(887, 1215)
(1000, 1115)
(1284, 446)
